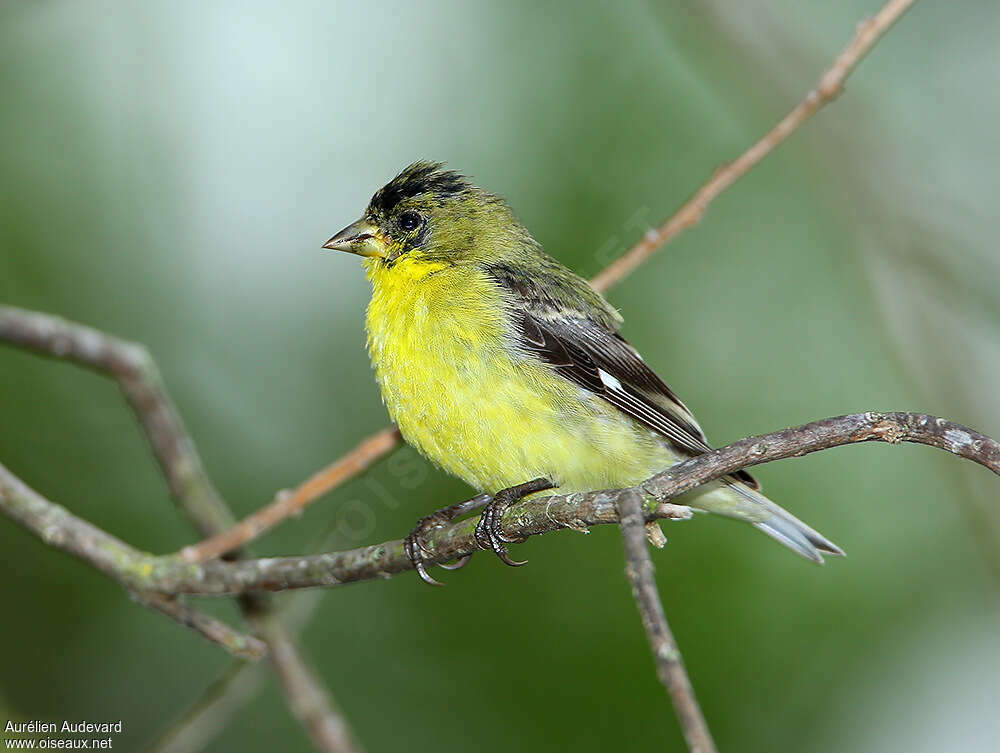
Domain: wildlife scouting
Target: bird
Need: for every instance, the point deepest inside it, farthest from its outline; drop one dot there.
(508, 370)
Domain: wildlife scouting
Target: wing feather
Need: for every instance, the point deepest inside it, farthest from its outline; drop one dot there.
(591, 354)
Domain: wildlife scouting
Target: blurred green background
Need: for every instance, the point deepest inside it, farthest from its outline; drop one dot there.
(168, 171)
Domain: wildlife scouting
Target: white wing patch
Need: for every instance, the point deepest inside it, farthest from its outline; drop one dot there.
(609, 381)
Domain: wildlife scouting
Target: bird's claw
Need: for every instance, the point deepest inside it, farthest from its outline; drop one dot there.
(489, 534)
(414, 547)
(413, 544)
(457, 564)
(489, 531)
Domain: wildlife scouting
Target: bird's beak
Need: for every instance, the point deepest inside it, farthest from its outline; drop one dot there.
(361, 238)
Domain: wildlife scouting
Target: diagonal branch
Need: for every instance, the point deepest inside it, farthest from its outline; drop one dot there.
(70, 533)
(136, 373)
(239, 645)
(169, 574)
(139, 380)
(830, 85)
(288, 503)
(666, 654)
(304, 692)
(210, 713)
(231, 690)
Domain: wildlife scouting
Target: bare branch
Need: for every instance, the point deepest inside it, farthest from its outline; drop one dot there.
(140, 383)
(304, 693)
(238, 644)
(666, 654)
(171, 575)
(216, 705)
(57, 527)
(137, 375)
(830, 85)
(287, 503)
(211, 712)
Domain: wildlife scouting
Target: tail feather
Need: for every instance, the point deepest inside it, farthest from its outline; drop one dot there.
(735, 499)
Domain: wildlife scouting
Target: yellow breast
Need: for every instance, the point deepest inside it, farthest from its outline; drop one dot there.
(461, 394)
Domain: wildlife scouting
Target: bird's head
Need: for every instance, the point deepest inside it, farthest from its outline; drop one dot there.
(429, 215)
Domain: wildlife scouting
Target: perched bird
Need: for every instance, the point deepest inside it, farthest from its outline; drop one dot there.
(501, 365)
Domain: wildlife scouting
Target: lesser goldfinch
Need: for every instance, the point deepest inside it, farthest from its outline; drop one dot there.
(501, 365)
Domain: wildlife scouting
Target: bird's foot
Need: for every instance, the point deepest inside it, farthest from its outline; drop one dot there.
(414, 546)
(489, 534)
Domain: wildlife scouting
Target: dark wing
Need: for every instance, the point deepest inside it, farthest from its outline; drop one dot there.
(604, 363)
(587, 351)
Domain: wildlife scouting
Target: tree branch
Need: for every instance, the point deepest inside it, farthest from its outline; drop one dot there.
(59, 528)
(288, 503)
(307, 698)
(238, 644)
(171, 575)
(135, 371)
(139, 380)
(223, 697)
(210, 712)
(666, 654)
(830, 85)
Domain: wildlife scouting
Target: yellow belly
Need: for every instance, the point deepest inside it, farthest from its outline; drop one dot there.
(465, 399)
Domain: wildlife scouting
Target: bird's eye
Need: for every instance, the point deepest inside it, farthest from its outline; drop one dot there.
(409, 220)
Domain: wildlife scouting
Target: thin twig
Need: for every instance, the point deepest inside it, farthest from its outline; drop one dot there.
(306, 696)
(666, 654)
(171, 575)
(139, 379)
(136, 373)
(288, 503)
(237, 643)
(688, 215)
(57, 527)
(830, 85)
(211, 712)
